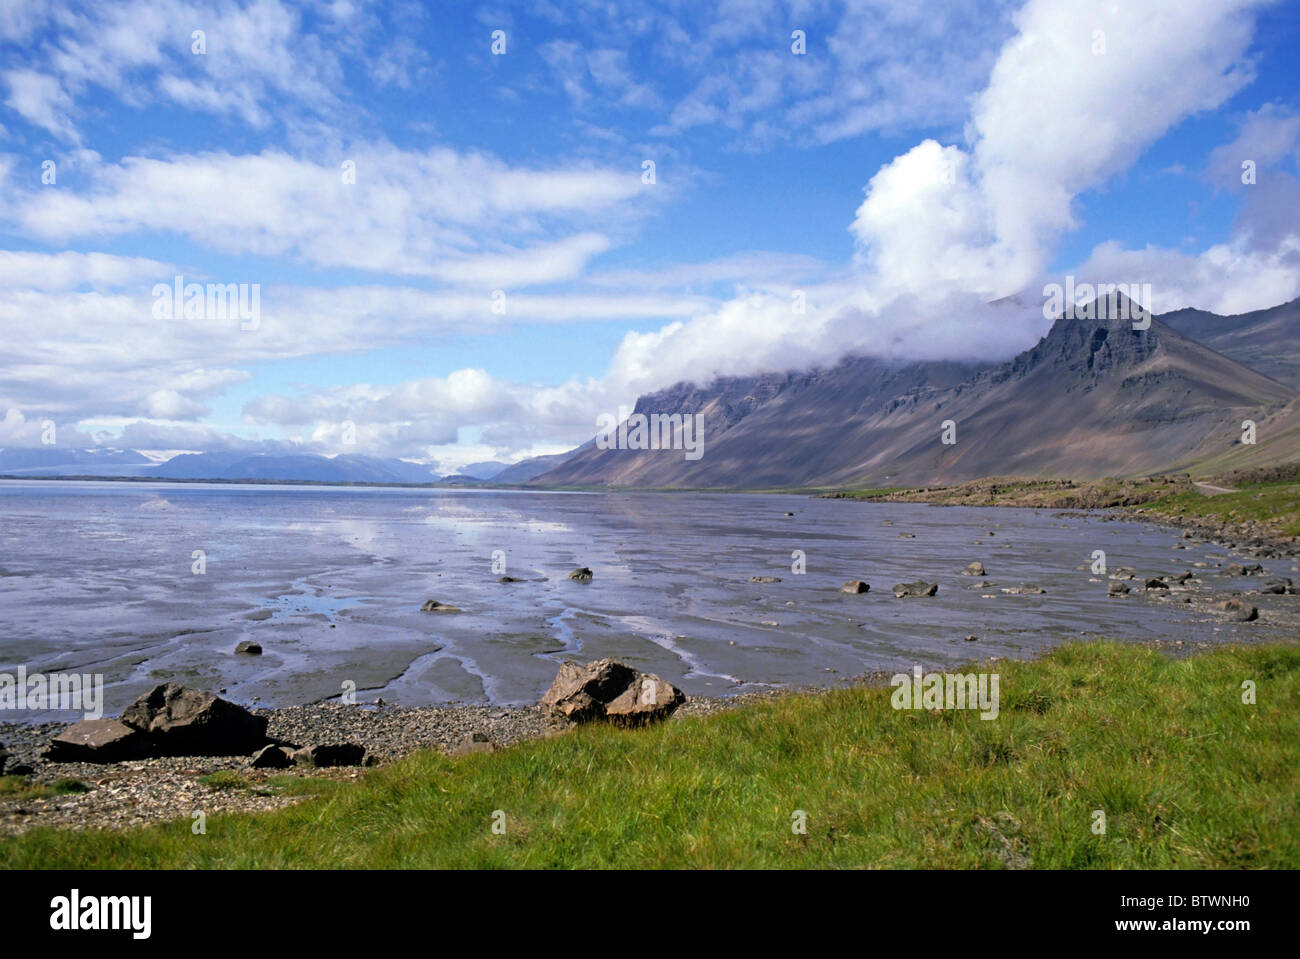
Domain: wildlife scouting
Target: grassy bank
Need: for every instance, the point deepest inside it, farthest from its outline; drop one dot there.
(1186, 774)
(1266, 499)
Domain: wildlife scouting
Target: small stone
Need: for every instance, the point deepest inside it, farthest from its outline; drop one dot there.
(1239, 611)
(1117, 589)
(765, 579)
(855, 586)
(918, 588)
(582, 574)
(433, 606)
(249, 647)
(974, 569)
(273, 757)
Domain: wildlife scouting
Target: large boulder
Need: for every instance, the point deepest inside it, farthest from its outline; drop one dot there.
(189, 722)
(98, 741)
(610, 690)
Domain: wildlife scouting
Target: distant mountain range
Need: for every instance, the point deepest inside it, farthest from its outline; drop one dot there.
(56, 461)
(1093, 398)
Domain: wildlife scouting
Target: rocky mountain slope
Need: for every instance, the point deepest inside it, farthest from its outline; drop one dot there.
(1093, 398)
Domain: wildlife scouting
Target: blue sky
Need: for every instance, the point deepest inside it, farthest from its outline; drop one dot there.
(914, 163)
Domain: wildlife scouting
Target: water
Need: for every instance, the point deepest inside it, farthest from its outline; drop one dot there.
(98, 577)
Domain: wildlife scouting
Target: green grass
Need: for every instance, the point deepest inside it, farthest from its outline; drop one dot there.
(1277, 504)
(1187, 775)
(21, 787)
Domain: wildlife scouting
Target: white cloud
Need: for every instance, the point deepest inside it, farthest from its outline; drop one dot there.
(41, 100)
(432, 213)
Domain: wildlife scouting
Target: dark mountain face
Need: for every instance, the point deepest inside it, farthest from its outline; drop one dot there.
(1095, 397)
(1267, 341)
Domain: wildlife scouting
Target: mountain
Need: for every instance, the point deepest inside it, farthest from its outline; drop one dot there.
(1266, 340)
(480, 471)
(347, 468)
(1093, 398)
(530, 468)
(56, 461)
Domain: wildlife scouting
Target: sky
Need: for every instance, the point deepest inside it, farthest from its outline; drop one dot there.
(465, 231)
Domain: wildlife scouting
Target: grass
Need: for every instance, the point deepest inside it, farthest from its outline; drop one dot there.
(21, 787)
(1187, 775)
(1275, 504)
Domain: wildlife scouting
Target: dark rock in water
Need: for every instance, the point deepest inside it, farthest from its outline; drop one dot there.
(337, 754)
(510, 579)
(249, 647)
(1156, 584)
(972, 638)
(582, 574)
(1025, 590)
(1239, 611)
(1124, 572)
(1279, 587)
(855, 586)
(789, 514)
(189, 722)
(907, 536)
(1117, 589)
(433, 606)
(606, 689)
(273, 757)
(98, 741)
(1182, 577)
(919, 588)
(1244, 569)
(765, 579)
(974, 569)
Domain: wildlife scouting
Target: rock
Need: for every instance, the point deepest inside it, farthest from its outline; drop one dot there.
(273, 757)
(1124, 572)
(789, 514)
(1026, 590)
(972, 638)
(1117, 589)
(334, 754)
(1279, 587)
(189, 722)
(1156, 584)
(1244, 569)
(907, 536)
(765, 579)
(855, 586)
(606, 689)
(1182, 577)
(475, 742)
(98, 741)
(582, 574)
(433, 606)
(919, 588)
(510, 579)
(974, 569)
(1239, 611)
(249, 647)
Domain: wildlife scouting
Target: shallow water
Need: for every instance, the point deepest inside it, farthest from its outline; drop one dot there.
(97, 577)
